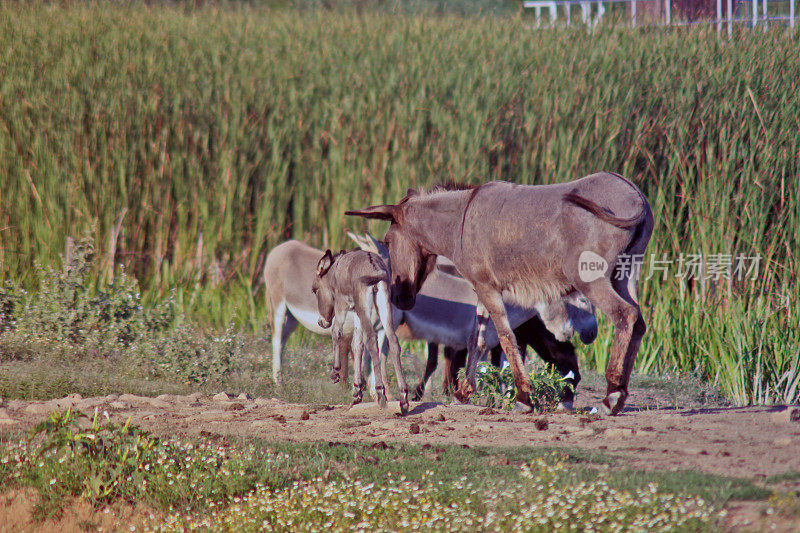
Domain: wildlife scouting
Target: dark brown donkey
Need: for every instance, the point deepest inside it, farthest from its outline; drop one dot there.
(529, 244)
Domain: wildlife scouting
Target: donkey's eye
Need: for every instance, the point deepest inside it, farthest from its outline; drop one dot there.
(314, 290)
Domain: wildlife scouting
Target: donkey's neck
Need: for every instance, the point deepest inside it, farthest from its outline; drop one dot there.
(438, 220)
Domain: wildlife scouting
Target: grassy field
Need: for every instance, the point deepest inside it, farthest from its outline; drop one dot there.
(236, 485)
(186, 142)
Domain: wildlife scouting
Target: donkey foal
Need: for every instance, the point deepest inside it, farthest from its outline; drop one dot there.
(352, 282)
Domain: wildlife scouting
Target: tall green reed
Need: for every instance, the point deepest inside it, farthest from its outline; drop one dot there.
(194, 140)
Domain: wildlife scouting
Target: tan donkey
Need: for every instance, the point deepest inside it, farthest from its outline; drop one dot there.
(353, 283)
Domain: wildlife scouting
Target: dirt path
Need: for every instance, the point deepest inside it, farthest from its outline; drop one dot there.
(752, 442)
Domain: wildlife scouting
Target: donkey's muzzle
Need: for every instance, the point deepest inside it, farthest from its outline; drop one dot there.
(324, 323)
(589, 334)
(403, 299)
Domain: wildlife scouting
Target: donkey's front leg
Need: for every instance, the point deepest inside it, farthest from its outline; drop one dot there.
(357, 347)
(371, 341)
(493, 302)
(476, 346)
(385, 313)
(340, 347)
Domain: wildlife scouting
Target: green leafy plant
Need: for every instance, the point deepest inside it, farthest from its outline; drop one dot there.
(66, 308)
(496, 387)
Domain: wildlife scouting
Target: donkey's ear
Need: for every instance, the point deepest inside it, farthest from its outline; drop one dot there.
(325, 263)
(379, 246)
(381, 212)
(361, 241)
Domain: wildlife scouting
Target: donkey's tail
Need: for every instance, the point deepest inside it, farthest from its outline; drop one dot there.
(372, 280)
(604, 214)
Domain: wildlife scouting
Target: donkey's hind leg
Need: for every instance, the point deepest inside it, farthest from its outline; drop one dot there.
(283, 325)
(367, 362)
(629, 328)
(371, 342)
(430, 367)
(385, 313)
(476, 346)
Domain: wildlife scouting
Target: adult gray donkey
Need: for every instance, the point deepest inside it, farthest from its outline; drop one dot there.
(529, 244)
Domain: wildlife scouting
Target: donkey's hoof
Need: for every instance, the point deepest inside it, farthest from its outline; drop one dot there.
(614, 402)
(565, 407)
(382, 403)
(464, 391)
(355, 401)
(524, 397)
(419, 392)
(403, 401)
(521, 408)
(334, 376)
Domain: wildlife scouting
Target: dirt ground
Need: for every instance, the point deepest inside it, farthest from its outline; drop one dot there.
(751, 442)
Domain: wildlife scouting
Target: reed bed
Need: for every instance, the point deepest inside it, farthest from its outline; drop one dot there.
(188, 142)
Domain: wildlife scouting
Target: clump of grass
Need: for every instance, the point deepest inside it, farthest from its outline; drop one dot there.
(74, 316)
(496, 387)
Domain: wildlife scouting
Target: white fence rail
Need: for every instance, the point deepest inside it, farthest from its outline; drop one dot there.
(671, 12)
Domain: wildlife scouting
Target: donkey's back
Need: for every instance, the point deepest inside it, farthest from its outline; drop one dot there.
(358, 269)
(534, 232)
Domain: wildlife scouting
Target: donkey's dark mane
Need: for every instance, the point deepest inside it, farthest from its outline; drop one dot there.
(453, 186)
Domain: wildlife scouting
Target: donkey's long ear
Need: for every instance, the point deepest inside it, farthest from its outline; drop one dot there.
(381, 212)
(325, 263)
(362, 241)
(379, 246)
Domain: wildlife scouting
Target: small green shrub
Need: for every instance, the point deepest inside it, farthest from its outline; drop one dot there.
(191, 357)
(496, 387)
(786, 504)
(67, 311)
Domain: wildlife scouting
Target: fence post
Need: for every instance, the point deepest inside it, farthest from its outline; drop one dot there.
(755, 12)
(791, 14)
(730, 18)
(633, 13)
(764, 15)
(719, 17)
(668, 9)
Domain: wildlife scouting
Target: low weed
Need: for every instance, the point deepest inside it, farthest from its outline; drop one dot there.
(71, 455)
(496, 387)
(785, 504)
(71, 311)
(74, 319)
